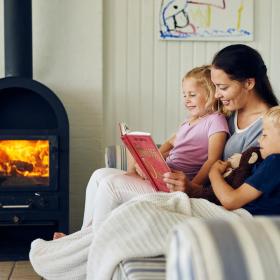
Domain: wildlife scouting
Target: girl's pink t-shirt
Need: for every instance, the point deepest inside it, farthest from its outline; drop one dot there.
(190, 149)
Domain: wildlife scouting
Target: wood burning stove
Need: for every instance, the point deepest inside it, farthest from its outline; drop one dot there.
(34, 145)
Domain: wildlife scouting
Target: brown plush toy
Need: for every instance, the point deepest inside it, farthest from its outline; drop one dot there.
(240, 169)
(241, 166)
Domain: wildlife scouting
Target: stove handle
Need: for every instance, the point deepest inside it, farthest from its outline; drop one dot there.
(18, 206)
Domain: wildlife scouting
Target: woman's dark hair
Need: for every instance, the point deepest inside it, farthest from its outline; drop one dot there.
(241, 62)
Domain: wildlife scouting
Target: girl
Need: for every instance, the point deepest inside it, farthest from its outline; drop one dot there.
(198, 143)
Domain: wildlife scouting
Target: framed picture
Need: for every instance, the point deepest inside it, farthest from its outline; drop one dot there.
(206, 20)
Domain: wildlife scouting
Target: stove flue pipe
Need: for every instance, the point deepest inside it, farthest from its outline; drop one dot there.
(18, 38)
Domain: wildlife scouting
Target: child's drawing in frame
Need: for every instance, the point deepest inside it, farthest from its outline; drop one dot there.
(206, 20)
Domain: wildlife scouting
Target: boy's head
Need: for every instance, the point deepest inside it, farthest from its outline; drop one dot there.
(197, 84)
(270, 138)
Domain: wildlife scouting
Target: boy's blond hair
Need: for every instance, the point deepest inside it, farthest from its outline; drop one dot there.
(273, 116)
(202, 75)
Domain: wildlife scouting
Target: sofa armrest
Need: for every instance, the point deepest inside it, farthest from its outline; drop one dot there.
(220, 249)
(116, 157)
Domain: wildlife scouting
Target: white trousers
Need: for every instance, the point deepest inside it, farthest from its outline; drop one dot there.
(107, 189)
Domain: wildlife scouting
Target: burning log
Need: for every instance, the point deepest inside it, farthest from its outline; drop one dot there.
(15, 168)
(22, 166)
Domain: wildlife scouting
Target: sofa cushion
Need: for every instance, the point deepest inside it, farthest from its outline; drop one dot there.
(141, 269)
(219, 249)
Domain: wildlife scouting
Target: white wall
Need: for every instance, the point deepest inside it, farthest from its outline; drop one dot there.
(67, 58)
(141, 83)
(142, 74)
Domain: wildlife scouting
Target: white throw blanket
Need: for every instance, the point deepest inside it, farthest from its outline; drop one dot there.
(138, 228)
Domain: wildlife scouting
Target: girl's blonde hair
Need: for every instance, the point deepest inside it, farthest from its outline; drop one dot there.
(273, 116)
(202, 75)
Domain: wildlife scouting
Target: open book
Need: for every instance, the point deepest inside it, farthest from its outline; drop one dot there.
(147, 155)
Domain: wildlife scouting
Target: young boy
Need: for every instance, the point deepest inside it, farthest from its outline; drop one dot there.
(260, 193)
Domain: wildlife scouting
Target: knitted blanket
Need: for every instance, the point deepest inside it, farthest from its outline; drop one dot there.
(138, 228)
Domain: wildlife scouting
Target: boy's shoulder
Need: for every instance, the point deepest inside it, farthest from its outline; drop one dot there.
(270, 165)
(265, 175)
(271, 159)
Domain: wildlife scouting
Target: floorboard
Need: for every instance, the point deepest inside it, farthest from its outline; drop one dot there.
(19, 270)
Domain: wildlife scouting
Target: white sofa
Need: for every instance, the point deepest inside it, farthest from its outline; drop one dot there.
(207, 249)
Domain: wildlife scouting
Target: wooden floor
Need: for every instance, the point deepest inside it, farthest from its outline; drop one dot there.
(20, 270)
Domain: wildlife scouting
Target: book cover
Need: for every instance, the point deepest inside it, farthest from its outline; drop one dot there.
(147, 155)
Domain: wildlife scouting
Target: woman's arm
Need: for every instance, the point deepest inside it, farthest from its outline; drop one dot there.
(216, 144)
(230, 198)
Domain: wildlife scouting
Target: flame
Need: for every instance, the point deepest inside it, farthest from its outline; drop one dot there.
(28, 158)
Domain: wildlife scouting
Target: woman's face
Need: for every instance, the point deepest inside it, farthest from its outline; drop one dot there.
(232, 93)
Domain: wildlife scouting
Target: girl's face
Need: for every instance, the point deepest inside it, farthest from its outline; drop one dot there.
(269, 140)
(233, 94)
(194, 97)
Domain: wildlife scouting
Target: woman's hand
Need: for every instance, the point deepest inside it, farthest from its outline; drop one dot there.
(177, 181)
(219, 167)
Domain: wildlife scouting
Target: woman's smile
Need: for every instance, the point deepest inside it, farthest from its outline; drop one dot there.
(225, 102)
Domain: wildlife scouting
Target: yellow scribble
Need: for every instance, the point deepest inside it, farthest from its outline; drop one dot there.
(240, 11)
(209, 16)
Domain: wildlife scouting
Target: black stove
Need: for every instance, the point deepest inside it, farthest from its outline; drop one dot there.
(34, 145)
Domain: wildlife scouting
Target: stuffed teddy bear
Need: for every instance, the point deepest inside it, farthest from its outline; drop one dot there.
(241, 166)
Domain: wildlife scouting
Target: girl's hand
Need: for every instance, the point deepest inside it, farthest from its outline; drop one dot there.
(219, 167)
(177, 181)
(140, 172)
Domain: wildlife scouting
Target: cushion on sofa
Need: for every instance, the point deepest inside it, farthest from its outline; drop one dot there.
(141, 269)
(219, 249)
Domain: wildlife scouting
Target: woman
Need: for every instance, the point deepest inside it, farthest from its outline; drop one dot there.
(242, 85)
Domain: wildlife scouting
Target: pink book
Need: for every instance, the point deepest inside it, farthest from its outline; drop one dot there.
(147, 155)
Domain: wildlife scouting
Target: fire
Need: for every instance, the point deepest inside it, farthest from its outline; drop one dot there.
(28, 158)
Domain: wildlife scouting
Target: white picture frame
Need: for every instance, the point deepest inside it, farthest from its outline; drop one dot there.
(206, 20)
